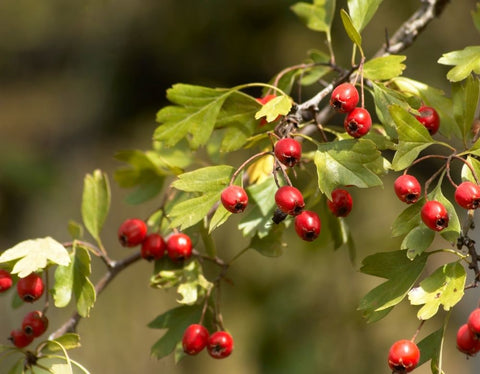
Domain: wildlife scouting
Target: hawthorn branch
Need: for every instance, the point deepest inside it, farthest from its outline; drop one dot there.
(116, 267)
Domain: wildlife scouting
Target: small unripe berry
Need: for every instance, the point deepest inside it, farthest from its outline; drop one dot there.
(20, 339)
(474, 322)
(407, 188)
(220, 344)
(467, 195)
(132, 232)
(358, 122)
(344, 98)
(466, 341)
(434, 215)
(307, 225)
(153, 247)
(341, 203)
(5, 280)
(35, 323)
(194, 339)
(179, 247)
(30, 288)
(288, 151)
(289, 200)
(429, 118)
(403, 356)
(234, 199)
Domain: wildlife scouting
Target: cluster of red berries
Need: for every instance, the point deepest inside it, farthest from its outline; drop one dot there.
(196, 337)
(344, 99)
(468, 335)
(29, 289)
(133, 232)
(403, 356)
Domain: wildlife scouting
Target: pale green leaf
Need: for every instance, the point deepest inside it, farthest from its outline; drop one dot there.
(352, 32)
(192, 284)
(444, 287)
(278, 106)
(95, 202)
(465, 62)
(219, 218)
(452, 232)
(35, 254)
(467, 174)
(384, 68)
(465, 96)
(207, 179)
(317, 16)
(189, 212)
(362, 11)
(75, 229)
(67, 341)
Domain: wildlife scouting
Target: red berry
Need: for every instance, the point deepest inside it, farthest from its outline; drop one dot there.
(20, 339)
(5, 280)
(288, 151)
(194, 339)
(220, 344)
(344, 98)
(179, 247)
(358, 122)
(466, 341)
(30, 288)
(429, 118)
(474, 322)
(467, 195)
(407, 188)
(307, 225)
(434, 215)
(35, 323)
(234, 199)
(403, 356)
(153, 247)
(289, 200)
(263, 101)
(132, 232)
(341, 203)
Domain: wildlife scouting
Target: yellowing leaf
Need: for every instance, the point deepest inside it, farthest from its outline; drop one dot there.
(261, 169)
(35, 254)
(279, 106)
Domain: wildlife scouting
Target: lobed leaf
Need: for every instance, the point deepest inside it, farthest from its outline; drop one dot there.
(317, 16)
(95, 202)
(278, 106)
(465, 62)
(384, 68)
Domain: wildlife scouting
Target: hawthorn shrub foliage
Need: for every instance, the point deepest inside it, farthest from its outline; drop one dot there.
(321, 157)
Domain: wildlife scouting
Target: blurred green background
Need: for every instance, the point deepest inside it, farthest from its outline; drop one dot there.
(80, 80)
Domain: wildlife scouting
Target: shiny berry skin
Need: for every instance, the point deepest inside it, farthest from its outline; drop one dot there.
(220, 344)
(407, 188)
(466, 341)
(341, 203)
(307, 225)
(289, 200)
(234, 199)
(35, 323)
(5, 280)
(30, 288)
(403, 356)
(179, 247)
(474, 322)
(344, 98)
(194, 339)
(429, 118)
(467, 195)
(288, 151)
(434, 215)
(263, 101)
(358, 122)
(153, 247)
(132, 232)
(20, 339)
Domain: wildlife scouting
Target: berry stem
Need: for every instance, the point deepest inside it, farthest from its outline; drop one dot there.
(441, 170)
(245, 163)
(418, 330)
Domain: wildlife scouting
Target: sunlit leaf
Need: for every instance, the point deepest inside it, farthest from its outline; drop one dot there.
(95, 202)
(317, 16)
(384, 68)
(278, 106)
(352, 32)
(362, 12)
(465, 61)
(465, 96)
(207, 179)
(67, 341)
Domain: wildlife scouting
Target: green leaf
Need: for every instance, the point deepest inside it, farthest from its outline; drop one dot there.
(465, 96)
(35, 254)
(314, 74)
(351, 30)
(413, 138)
(67, 341)
(430, 347)
(467, 174)
(193, 283)
(401, 272)
(75, 229)
(254, 222)
(263, 195)
(278, 106)
(408, 219)
(444, 287)
(95, 202)
(189, 212)
(207, 179)
(362, 11)
(195, 113)
(219, 218)
(346, 162)
(317, 16)
(271, 245)
(175, 321)
(384, 68)
(464, 62)
(452, 232)
(417, 241)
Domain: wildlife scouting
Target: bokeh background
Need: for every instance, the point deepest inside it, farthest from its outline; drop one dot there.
(80, 80)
